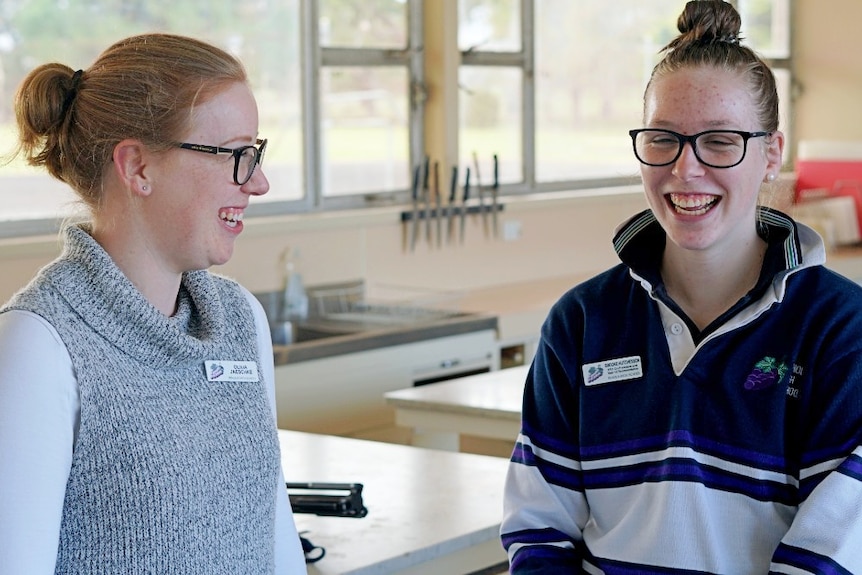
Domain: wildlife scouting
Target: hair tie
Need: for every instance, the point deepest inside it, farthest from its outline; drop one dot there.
(73, 91)
(729, 39)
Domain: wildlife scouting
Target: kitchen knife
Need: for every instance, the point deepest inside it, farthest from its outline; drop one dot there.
(427, 195)
(453, 187)
(464, 199)
(437, 218)
(414, 219)
(481, 195)
(494, 188)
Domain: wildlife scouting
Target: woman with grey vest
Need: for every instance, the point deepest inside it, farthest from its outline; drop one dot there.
(137, 418)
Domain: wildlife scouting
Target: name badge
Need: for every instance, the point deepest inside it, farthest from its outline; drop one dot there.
(611, 370)
(222, 370)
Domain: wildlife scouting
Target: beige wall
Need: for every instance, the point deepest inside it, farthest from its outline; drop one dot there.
(559, 236)
(828, 69)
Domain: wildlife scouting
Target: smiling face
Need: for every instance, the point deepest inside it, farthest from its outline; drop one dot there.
(703, 208)
(196, 209)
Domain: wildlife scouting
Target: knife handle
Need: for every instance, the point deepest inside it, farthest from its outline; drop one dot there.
(453, 184)
(496, 172)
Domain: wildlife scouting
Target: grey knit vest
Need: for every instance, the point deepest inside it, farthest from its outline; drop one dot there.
(171, 473)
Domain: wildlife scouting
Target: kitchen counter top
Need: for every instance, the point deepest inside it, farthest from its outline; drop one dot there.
(495, 394)
(483, 405)
(429, 511)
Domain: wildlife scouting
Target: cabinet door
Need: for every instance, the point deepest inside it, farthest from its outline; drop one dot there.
(343, 395)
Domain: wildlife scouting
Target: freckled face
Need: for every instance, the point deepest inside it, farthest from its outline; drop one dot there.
(198, 215)
(701, 207)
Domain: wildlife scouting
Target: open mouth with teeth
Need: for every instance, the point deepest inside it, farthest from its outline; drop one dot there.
(692, 204)
(231, 217)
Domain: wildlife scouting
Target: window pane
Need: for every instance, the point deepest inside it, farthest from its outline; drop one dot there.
(264, 35)
(766, 26)
(490, 121)
(590, 78)
(489, 25)
(364, 129)
(363, 23)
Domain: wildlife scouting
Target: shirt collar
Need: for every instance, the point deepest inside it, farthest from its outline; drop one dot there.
(640, 241)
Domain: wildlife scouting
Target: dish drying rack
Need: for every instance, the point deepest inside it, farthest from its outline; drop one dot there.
(349, 301)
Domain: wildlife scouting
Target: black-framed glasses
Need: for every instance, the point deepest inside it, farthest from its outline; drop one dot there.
(713, 148)
(245, 158)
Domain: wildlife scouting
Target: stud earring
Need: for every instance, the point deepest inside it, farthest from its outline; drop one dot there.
(146, 187)
(770, 177)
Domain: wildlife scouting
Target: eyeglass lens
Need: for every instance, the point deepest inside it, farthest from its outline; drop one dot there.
(247, 158)
(718, 149)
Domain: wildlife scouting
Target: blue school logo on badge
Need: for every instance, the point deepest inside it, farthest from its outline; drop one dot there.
(216, 371)
(594, 373)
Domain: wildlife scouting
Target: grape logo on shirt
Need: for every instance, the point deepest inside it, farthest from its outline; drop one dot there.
(767, 372)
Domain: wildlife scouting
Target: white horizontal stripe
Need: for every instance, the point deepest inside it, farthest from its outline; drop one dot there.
(824, 467)
(827, 465)
(689, 453)
(550, 456)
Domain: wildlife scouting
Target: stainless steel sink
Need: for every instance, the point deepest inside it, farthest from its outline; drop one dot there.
(293, 332)
(342, 321)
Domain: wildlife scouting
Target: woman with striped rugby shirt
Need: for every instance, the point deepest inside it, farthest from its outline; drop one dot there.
(698, 407)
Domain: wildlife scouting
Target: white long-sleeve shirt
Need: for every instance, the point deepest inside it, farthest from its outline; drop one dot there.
(39, 416)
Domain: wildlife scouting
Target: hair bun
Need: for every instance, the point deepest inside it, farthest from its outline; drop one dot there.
(707, 21)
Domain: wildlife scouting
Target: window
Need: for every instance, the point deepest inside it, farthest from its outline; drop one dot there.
(367, 67)
(550, 87)
(264, 34)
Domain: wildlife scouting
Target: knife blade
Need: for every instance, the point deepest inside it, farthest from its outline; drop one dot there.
(437, 220)
(464, 199)
(494, 189)
(414, 218)
(481, 195)
(427, 195)
(453, 187)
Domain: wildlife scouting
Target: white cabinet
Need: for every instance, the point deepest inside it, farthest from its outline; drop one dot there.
(343, 394)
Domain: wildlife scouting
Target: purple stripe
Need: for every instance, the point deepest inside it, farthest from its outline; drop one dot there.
(812, 458)
(535, 537)
(682, 438)
(523, 454)
(852, 467)
(808, 560)
(561, 476)
(690, 471)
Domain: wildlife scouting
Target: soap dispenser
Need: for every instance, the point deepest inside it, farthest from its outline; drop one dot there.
(294, 300)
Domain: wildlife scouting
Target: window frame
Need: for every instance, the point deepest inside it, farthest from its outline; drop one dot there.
(315, 58)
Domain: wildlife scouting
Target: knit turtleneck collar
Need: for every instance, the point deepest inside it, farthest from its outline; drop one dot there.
(109, 303)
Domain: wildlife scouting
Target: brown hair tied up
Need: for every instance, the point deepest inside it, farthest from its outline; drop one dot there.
(709, 35)
(73, 91)
(143, 87)
(705, 22)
